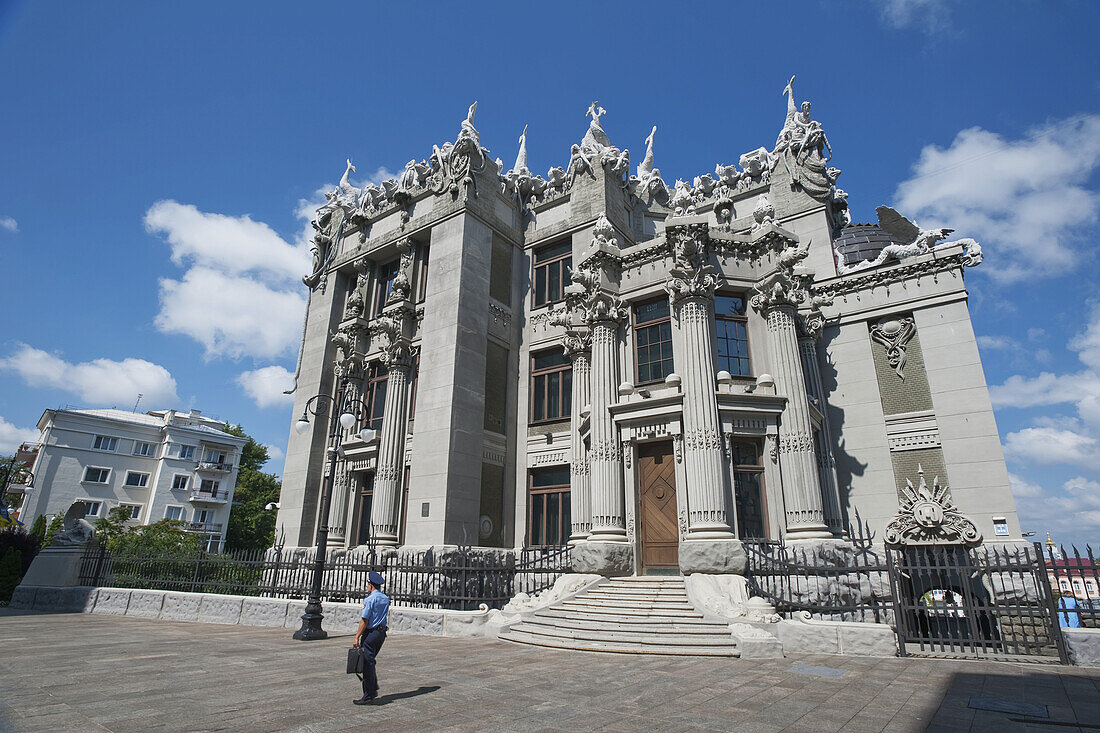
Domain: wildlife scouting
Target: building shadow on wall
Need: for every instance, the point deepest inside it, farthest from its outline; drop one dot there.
(1027, 701)
(847, 466)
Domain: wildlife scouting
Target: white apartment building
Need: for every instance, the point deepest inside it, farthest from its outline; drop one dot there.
(161, 464)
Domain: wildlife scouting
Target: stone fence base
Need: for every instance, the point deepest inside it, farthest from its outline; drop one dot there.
(212, 608)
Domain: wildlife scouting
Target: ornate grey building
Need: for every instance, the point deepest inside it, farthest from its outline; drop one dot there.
(650, 372)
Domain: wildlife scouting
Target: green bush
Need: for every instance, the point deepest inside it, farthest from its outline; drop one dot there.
(54, 528)
(11, 572)
(18, 538)
(38, 529)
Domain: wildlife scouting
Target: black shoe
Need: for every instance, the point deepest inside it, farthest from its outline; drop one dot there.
(364, 700)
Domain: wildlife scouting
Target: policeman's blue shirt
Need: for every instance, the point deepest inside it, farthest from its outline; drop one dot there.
(376, 609)
(1072, 619)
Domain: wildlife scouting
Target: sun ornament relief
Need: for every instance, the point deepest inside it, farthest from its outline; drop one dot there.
(928, 516)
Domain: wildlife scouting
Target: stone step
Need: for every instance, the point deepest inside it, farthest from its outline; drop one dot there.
(604, 602)
(633, 593)
(657, 640)
(622, 612)
(701, 628)
(620, 647)
(565, 616)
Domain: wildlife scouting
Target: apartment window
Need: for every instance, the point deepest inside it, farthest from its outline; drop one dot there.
(422, 280)
(209, 486)
(552, 267)
(187, 452)
(653, 340)
(375, 397)
(143, 449)
(548, 517)
(134, 509)
(180, 482)
(214, 456)
(174, 513)
(91, 508)
(105, 442)
(551, 385)
(748, 488)
(137, 480)
(733, 339)
(93, 475)
(204, 516)
(387, 272)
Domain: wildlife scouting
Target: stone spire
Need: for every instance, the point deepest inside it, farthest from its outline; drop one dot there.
(521, 156)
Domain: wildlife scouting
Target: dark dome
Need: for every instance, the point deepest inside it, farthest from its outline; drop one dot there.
(859, 242)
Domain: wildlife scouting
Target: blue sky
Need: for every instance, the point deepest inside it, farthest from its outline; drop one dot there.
(159, 162)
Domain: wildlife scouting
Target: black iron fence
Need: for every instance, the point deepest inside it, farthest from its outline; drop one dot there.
(1075, 582)
(841, 581)
(458, 578)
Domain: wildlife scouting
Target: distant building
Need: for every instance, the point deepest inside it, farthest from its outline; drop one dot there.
(21, 476)
(160, 464)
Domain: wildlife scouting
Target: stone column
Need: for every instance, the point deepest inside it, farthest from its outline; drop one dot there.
(605, 457)
(578, 348)
(801, 489)
(390, 465)
(807, 346)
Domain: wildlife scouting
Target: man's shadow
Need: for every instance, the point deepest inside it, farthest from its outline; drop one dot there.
(422, 690)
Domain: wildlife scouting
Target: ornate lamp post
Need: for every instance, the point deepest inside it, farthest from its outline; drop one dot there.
(344, 412)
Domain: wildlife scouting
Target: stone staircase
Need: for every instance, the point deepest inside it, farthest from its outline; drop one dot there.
(634, 615)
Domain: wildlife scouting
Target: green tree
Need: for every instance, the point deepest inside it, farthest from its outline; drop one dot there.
(251, 525)
(165, 538)
(113, 525)
(38, 529)
(55, 526)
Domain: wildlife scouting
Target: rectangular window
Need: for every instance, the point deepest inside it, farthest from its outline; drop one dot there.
(105, 442)
(548, 516)
(187, 452)
(174, 513)
(496, 391)
(733, 339)
(653, 340)
(180, 482)
(422, 281)
(203, 516)
(383, 286)
(91, 508)
(143, 449)
(551, 386)
(366, 498)
(136, 480)
(135, 510)
(748, 488)
(500, 271)
(553, 265)
(209, 486)
(93, 475)
(375, 397)
(214, 456)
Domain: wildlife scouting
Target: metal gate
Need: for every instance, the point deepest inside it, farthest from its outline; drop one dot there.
(987, 602)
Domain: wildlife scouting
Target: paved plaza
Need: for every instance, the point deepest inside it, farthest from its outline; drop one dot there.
(101, 673)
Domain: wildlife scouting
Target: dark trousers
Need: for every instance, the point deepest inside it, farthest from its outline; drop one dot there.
(371, 644)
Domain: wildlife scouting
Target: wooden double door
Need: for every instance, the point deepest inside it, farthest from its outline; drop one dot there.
(658, 527)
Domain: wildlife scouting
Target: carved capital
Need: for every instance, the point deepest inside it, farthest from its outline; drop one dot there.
(685, 283)
(577, 344)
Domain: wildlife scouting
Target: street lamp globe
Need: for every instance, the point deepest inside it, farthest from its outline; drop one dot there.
(302, 426)
(347, 421)
(367, 434)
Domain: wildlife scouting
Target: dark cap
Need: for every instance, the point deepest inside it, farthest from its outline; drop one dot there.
(376, 579)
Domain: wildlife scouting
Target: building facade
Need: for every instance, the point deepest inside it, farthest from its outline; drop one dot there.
(159, 464)
(649, 372)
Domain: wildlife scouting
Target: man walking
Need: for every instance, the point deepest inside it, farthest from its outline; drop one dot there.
(371, 634)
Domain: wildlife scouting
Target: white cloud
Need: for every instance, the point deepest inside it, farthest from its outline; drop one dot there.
(1071, 513)
(997, 342)
(231, 315)
(241, 294)
(11, 436)
(101, 382)
(931, 15)
(1052, 445)
(266, 386)
(6, 222)
(1026, 200)
(275, 453)
(1022, 488)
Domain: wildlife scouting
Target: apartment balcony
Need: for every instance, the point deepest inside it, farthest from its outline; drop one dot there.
(201, 496)
(203, 528)
(214, 467)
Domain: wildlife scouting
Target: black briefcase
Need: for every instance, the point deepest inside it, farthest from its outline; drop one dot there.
(355, 661)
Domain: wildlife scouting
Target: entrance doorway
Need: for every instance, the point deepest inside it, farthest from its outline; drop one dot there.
(658, 532)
